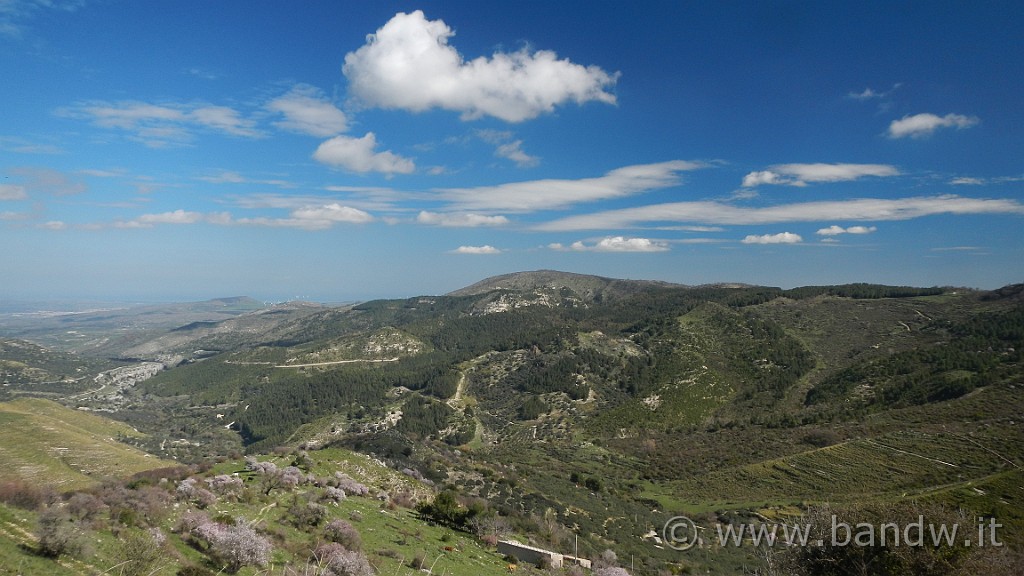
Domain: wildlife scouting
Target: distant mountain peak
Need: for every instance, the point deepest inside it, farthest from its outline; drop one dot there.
(585, 285)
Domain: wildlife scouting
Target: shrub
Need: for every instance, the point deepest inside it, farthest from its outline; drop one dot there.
(350, 486)
(60, 534)
(334, 494)
(343, 533)
(304, 512)
(341, 562)
(22, 495)
(238, 545)
(85, 507)
(225, 485)
(140, 551)
(189, 490)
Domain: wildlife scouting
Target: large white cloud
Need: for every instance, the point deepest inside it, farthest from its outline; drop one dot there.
(307, 111)
(408, 64)
(359, 155)
(780, 238)
(801, 174)
(615, 244)
(720, 213)
(922, 125)
(552, 194)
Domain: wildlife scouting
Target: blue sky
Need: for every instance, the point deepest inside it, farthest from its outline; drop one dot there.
(350, 150)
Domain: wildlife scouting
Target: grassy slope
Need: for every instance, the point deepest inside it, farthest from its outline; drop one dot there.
(46, 443)
(391, 537)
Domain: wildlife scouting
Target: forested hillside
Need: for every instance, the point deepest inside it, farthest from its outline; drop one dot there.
(569, 404)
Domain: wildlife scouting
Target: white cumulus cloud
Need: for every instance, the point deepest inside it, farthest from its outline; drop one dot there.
(615, 244)
(923, 125)
(763, 177)
(359, 155)
(837, 230)
(408, 64)
(333, 212)
(780, 238)
(307, 111)
(486, 249)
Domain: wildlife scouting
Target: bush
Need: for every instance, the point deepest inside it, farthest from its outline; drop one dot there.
(238, 545)
(60, 534)
(344, 534)
(23, 495)
(304, 512)
(350, 486)
(341, 562)
(139, 553)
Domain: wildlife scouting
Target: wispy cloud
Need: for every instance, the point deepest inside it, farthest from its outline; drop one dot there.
(162, 125)
(614, 244)
(514, 152)
(551, 194)
(958, 249)
(308, 217)
(12, 192)
(924, 125)
(508, 147)
(307, 111)
(719, 213)
(21, 145)
(48, 181)
(460, 219)
(230, 177)
(16, 14)
(971, 181)
(801, 174)
(408, 64)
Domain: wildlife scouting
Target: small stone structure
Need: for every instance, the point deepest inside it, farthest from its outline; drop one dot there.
(538, 556)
